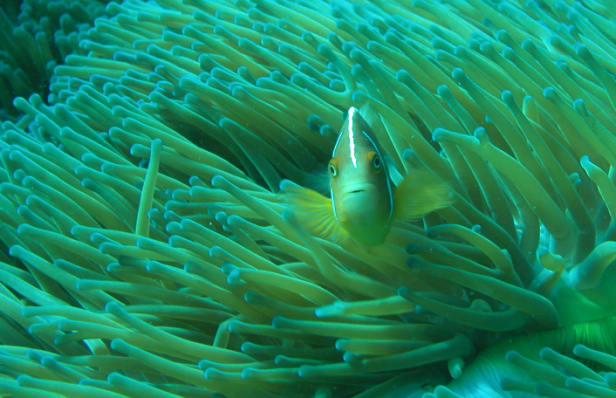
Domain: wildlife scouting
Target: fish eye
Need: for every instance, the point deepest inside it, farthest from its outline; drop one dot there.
(376, 162)
(332, 170)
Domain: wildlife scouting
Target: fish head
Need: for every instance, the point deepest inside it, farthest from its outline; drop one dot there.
(360, 187)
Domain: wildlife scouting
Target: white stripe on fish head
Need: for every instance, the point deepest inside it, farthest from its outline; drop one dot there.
(352, 110)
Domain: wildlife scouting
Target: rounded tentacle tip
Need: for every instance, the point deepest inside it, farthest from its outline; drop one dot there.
(413, 263)
(21, 229)
(359, 96)
(351, 358)
(279, 322)
(411, 248)
(528, 45)
(118, 344)
(324, 50)
(217, 181)
(580, 350)
(335, 309)
(443, 91)
(438, 133)
(24, 380)
(455, 366)
(252, 297)
(501, 35)
(217, 252)
(507, 97)
(308, 371)
(113, 307)
(288, 215)
(235, 327)
(404, 292)
(234, 221)
(227, 268)
(459, 75)
(546, 353)
(211, 374)
(508, 53)
(220, 216)
(581, 50)
(580, 106)
(482, 135)
(444, 392)
(153, 267)
(286, 184)
(250, 373)
(402, 75)
(550, 93)
(513, 357)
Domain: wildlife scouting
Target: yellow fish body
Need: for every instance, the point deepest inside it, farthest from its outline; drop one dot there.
(364, 202)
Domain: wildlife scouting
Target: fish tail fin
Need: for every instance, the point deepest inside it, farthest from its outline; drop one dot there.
(420, 193)
(314, 211)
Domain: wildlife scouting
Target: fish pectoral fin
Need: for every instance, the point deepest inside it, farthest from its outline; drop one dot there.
(315, 212)
(420, 193)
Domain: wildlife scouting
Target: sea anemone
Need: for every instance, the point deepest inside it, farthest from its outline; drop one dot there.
(31, 45)
(146, 247)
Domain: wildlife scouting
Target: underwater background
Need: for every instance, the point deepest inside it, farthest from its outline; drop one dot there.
(146, 248)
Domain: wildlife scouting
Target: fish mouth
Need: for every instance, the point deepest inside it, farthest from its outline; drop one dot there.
(357, 206)
(355, 191)
(358, 188)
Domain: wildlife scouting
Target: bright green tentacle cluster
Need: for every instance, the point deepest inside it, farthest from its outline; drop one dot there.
(574, 361)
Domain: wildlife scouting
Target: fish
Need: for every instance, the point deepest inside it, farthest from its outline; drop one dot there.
(364, 201)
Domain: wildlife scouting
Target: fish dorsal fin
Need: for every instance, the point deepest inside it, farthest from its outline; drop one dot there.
(420, 193)
(315, 211)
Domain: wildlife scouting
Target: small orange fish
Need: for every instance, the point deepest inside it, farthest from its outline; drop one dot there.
(364, 201)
